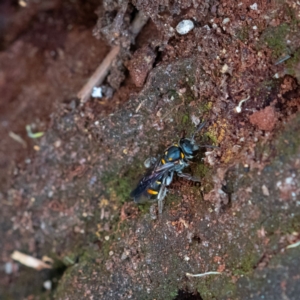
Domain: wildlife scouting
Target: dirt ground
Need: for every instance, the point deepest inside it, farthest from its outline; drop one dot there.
(65, 194)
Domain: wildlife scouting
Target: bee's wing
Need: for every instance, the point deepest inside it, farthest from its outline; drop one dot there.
(157, 173)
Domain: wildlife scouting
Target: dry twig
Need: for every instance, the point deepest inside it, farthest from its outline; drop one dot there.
(99, 75)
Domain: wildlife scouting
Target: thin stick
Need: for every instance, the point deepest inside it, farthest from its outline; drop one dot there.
(17, 138)
(99, 75)
(202, 274)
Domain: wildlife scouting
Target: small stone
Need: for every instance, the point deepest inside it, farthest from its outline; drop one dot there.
(8, 268)
(125, 254)
(140, 65)
(111, 253)
(224, 69)
(186, 258)
(57, 144)
(185, 26)
(253, 6)
(265, 190)
(106, 238)
(47, 285)
(97, 92)
(225, 21)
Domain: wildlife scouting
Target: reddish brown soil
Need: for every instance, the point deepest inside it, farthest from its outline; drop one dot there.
(50, 49)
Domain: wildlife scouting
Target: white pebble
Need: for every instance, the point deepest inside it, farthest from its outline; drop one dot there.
(253, 6)
(265, 190)
(186, 258)
(97, 92)
(8, 268)
(47, 285)
(224, 69)
(185, 26)
(225, 21)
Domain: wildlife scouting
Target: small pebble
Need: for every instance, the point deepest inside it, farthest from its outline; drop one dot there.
(185, 26)
(47, 285)
(253, 6)
(57, 144)
(265, 190)
(224, 69)
(8, 268)
(225, 21)
(97, 92)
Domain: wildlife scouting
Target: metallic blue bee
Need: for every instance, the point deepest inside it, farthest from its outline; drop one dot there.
(153, 185)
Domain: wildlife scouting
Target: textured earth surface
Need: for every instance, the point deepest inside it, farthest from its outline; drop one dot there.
(65, 195)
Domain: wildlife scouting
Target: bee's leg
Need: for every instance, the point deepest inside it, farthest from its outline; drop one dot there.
(161, 196)
(188, 177)
(150, 162)
(169, 178)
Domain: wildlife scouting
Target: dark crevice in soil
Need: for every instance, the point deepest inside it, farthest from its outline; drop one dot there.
(183, 295)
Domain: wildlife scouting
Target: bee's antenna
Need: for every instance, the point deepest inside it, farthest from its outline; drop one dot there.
(199, 127)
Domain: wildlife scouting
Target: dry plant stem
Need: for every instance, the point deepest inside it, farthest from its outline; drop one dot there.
(202, 274)
(29, 261)
(99, 75)
(293, 245)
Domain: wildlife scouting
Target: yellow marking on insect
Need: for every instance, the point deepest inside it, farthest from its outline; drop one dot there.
(163, 161)
(182, 155)
(158, 182)
(170, 159)
(152, 192)
(176, 145)
(166, 153)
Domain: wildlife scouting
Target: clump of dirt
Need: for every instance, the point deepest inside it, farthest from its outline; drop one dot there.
(141, 64)
(264, 119)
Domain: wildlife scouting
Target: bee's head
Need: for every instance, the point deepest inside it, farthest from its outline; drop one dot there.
(188, 147)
